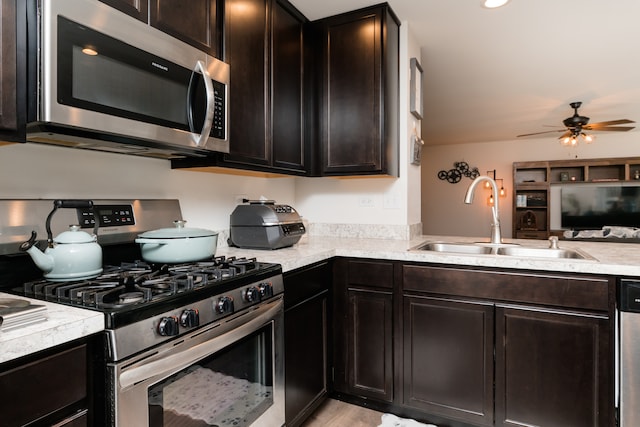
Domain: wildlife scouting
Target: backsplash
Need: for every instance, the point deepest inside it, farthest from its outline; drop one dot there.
(366, 231)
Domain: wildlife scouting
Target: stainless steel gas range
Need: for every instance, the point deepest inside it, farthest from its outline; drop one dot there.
(195, 343)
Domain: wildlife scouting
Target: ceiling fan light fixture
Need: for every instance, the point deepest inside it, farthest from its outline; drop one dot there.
(492, 4)
(588, 138)
(569, 141)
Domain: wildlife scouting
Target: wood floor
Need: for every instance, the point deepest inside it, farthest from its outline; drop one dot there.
(334, 413)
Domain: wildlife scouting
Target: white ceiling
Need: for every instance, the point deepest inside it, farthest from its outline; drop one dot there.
(493, 74)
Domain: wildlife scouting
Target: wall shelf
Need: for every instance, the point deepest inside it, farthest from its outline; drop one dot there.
(532, 181)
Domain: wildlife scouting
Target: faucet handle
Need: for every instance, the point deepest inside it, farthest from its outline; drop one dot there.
(553, 242)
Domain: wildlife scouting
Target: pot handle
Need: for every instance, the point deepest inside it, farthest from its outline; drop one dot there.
(152, 241)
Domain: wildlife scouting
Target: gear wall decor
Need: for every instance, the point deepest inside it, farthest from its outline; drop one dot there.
(459, 170)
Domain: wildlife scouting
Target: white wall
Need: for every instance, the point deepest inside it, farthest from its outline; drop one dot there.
(443, 209)
(207, 200)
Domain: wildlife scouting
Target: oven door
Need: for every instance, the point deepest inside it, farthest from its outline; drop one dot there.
(227, 373)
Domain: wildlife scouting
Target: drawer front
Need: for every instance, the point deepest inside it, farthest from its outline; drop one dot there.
(300, 285)
(53, 382)
(370, 273)
(581, 292)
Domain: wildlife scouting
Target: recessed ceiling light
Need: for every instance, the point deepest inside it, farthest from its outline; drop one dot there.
(492, 4)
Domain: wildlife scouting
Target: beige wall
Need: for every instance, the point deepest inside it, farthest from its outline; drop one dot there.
(443, 209)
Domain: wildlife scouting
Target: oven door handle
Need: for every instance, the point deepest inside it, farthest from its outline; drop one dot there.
(186, 358)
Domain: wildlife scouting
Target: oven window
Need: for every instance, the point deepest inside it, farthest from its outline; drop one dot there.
(230, 388)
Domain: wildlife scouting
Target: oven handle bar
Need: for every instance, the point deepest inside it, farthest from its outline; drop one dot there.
(185, 358)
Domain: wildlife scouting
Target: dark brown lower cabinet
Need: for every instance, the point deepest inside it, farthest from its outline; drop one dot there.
(363, 328)
(50, 389)
(552, 368)
(369, 335)
(552, 335)
(448, 358)
(306, 320)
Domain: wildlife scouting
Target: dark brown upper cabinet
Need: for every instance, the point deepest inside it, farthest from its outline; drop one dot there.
(358, 114)
(13, 93)
(198, 23)
(264, 46)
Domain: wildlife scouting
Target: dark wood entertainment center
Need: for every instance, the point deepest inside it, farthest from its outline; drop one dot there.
(532, 183)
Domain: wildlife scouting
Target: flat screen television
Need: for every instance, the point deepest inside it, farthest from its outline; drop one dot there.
(591, 207)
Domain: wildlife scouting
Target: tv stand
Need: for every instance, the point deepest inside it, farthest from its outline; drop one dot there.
(532, 181)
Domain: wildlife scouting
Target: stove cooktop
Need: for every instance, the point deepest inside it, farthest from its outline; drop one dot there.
(136, 290)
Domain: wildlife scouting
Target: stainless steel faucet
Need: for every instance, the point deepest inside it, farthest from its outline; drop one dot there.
(496, 235)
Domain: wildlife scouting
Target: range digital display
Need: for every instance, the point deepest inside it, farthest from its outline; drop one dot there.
(108, 216)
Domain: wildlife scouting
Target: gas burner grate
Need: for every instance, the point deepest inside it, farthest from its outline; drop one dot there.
(139, 282)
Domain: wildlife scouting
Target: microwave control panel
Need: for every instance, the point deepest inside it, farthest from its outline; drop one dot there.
(218, 129)
(108, 216)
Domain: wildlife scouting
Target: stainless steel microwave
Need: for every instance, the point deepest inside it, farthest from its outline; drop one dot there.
(106, 81)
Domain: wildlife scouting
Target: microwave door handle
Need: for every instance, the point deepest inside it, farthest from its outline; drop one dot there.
(201, 139)
(183, 359)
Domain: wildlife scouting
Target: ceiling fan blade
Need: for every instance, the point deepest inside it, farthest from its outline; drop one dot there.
(610, 129)
(611, 122)
(565, 135)
(540, 133)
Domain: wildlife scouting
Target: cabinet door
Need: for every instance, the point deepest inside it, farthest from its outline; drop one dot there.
(247, 54)
(197, 23)
(305, 358)
(287, 112)
(306, 340)
(553, 368)
(448, 358)
(139, 9)
(8, 80)
(360, 53)
(369, 344)
(363, 311)
(352, 94)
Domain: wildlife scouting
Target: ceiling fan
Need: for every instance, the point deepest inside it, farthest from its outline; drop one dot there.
(576, 126)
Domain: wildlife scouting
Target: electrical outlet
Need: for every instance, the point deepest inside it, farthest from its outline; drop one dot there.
(391, 202)
(366, 202)
(239, 198)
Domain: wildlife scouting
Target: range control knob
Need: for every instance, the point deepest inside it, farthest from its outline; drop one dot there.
(224, 305)
(168, 326)
(252, 294)
(190, 318)
(266, 290)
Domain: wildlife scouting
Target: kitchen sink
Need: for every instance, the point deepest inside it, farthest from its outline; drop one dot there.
(460, 248)
(525, 252)
(507, 249)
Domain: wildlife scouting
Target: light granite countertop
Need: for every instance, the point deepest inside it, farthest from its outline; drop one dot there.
(67, 323)
(63, 324)
(621, 259)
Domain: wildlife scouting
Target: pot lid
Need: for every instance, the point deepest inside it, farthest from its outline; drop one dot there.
(177, 232)
(74, 235)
